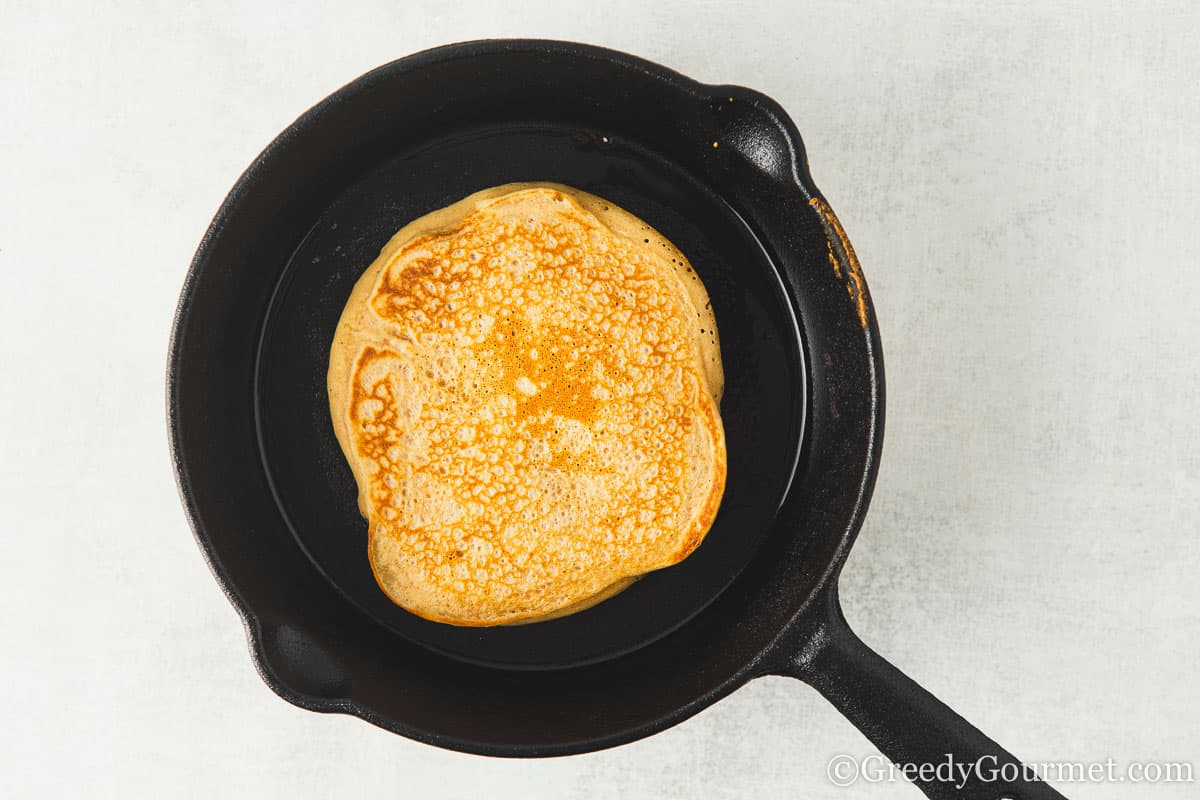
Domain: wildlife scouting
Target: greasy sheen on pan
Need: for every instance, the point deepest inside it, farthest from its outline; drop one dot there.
(526, 387)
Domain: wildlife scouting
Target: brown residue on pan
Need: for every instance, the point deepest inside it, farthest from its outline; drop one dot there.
(833, 261)
(856, 285)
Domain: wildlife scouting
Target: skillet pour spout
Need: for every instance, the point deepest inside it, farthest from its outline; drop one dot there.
(721, 171)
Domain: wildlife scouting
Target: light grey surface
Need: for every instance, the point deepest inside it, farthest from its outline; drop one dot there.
(1020, 181)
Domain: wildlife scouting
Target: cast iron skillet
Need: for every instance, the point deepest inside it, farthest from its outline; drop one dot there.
(721, 171)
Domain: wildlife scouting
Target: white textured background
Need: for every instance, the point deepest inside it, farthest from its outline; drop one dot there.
(1020, 180)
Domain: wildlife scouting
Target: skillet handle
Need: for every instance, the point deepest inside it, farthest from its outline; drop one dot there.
(908, 724)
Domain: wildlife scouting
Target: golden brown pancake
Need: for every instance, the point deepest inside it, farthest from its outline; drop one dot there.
(526, 387)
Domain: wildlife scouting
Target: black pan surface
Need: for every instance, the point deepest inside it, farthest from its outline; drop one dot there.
(763, 405)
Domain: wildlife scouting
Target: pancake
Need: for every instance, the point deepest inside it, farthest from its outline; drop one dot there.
(526, 386)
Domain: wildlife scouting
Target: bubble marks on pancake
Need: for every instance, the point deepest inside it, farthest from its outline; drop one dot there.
(532, 421)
